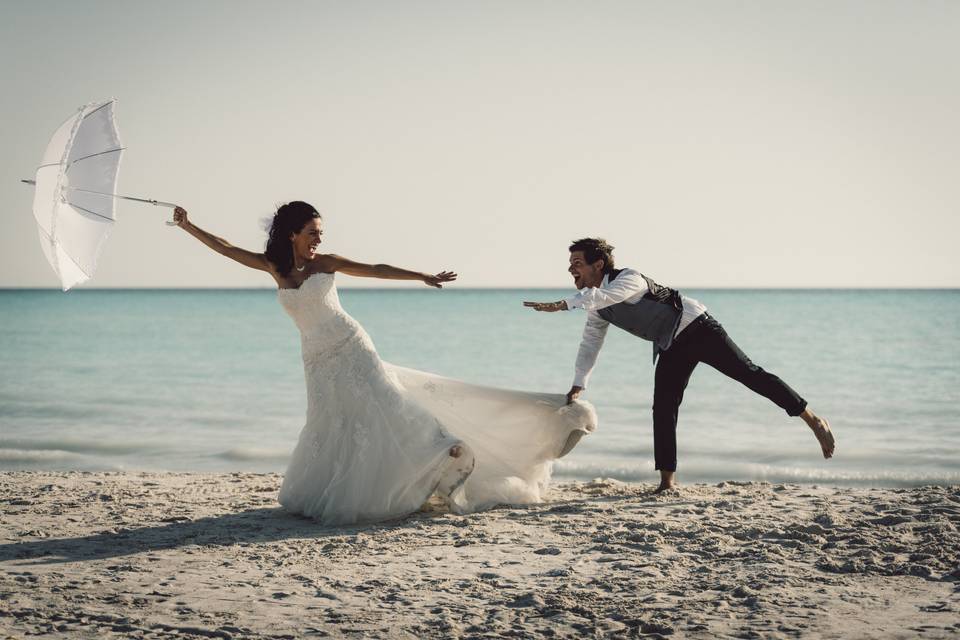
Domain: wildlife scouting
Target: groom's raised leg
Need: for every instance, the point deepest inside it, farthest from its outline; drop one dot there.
(719, 351)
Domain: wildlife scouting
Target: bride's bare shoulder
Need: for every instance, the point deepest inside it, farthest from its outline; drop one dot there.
(326, 263)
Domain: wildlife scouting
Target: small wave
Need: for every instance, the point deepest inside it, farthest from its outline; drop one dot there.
(253, 453)
(42, 456)
(848, 477)
(81, 446)
(741, 453)
(760, 472)
(582, 471)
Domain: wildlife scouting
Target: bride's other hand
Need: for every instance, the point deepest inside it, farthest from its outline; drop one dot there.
(180, 217)
(438, 279)
(547, 306)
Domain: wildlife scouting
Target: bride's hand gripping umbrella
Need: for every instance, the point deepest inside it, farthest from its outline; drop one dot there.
(179, 217)
(74, 199)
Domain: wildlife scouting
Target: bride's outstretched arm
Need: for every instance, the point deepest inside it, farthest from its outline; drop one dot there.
(221, 246)
(386, 272)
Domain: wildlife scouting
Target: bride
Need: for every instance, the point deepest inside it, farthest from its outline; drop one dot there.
(381, 440)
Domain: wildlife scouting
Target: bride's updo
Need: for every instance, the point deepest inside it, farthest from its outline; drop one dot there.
(290, 218)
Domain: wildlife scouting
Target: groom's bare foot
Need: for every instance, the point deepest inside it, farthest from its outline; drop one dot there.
(665, 487)
(456, 451)
(821, 429)
(667, 481)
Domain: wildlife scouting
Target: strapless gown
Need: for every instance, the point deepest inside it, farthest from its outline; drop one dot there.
(377, 439)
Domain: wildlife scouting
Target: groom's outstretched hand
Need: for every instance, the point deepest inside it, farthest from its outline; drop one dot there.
(574, 393)
(547, 306)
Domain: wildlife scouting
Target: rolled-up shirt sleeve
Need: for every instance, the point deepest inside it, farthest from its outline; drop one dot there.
(594, 331)
(626, 285)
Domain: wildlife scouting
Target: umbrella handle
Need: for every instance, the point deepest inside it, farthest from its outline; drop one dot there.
(170, 205)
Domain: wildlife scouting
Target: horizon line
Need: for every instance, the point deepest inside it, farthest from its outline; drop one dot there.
(508, 288)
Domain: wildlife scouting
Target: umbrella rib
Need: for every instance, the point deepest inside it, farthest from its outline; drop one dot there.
(94, 155)
(90, 212)
(105, 104)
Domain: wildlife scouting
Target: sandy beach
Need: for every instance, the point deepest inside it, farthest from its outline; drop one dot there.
(213, 555)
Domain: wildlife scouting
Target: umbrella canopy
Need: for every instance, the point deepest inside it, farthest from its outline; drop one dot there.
(73, 201)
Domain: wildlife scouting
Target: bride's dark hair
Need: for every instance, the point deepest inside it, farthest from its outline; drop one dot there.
(289, 218)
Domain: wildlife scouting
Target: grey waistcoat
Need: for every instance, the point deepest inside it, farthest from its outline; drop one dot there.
(654, 317)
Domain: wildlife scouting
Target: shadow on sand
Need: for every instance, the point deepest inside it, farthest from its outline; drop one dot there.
(246, 527)
(253, 526)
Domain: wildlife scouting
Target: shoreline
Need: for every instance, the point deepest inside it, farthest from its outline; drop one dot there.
(141, 554)
(646, 477)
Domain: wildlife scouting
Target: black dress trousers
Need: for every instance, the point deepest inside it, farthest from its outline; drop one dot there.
(705, 340)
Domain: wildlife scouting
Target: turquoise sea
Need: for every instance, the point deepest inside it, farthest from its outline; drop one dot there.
(211, 380)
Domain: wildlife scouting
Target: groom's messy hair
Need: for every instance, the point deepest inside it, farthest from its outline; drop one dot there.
(595, 249)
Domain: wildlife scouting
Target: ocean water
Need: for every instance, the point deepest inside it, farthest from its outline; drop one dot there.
(211, 380)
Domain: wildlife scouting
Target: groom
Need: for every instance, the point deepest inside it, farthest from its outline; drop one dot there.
(683, 335)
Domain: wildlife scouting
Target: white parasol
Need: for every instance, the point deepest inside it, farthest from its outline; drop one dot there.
(74, 200)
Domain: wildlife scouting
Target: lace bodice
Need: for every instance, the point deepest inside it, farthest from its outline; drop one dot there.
(315, 308)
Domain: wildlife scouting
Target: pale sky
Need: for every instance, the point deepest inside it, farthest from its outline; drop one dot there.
(715, 144)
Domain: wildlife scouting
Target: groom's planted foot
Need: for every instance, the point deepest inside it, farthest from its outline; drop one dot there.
(665, 486)
(667, 482)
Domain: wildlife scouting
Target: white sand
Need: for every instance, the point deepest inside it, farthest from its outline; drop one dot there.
(183, 555)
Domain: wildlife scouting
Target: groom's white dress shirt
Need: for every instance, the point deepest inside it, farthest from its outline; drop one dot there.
(629, 286)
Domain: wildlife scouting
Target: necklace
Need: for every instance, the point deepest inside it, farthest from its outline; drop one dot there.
(301, 268)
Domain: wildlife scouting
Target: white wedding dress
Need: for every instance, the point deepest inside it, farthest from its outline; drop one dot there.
(377, 440)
